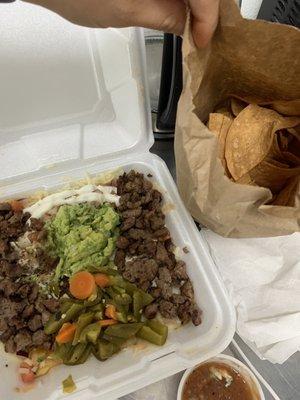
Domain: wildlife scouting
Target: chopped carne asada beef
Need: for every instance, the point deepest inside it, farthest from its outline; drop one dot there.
(20, 315)
(145, 251)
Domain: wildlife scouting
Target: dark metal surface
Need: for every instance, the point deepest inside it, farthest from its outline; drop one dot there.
(170, 83)
(283, 11)
(283, 378)
(165, 150)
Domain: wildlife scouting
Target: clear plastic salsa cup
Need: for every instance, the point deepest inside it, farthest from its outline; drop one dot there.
(233, 363)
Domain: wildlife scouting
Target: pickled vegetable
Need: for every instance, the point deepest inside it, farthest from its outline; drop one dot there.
(102, 280)
(63, 351)
(124, 330)
(122, 316)
(123, 299)
(119, 290)
(66, 333)
(121, 311)
(108, 270)
(77, 354)
(93, 302)
(117, 280)
(158, 327)
(110, 291)
(98, 311)
(146, 298)
(83, 321)
(149, 335)
(105, 349)
(110, 311)
(53, 325)
(105, 321)
(114, 339)
(85, 355)
(90, 333)
(137, 305)
(82, 285)
(68, 385)
(65, 304)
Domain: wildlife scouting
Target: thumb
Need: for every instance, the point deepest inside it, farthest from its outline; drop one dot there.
(205, 15)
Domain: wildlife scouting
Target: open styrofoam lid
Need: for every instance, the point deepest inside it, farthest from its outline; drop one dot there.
(68, 94)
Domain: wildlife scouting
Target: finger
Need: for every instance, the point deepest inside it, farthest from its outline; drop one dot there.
(163, 15)
(92, 13)
(205, 15)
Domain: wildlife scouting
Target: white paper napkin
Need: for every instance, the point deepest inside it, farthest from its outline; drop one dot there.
(263, 278)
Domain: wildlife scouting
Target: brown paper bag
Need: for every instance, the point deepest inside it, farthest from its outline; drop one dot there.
(247, 59)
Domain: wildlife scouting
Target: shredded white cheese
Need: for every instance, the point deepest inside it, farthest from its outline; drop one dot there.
(87, 193)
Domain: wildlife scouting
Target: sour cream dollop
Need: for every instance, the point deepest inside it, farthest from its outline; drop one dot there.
(87, 193)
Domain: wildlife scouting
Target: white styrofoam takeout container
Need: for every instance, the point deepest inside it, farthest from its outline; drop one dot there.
(75, 100)
(234, 363)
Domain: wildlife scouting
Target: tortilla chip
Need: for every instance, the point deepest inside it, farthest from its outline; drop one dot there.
(271, 176)
(224, 108)
(275, 152)
(246, 180)
(284, 138)
(222, 138)
(251, 99)
(237, 105)
(291, 158)
(286, 107)
(279, 164)
(282, 158)
(295, 132)
(294, 147)
(225, 111)
(287, 196)
(215, 123)
(220, 124)
(250, 138)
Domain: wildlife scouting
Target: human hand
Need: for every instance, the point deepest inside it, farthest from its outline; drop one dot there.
(164, 15)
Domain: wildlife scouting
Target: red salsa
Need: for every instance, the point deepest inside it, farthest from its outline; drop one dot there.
(218, 381)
